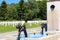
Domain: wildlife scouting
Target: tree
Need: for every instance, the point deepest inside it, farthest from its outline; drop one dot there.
(33, 8)
(20, 9)
(23, 10)
(3, 10)
(42, 9)
(12, 12)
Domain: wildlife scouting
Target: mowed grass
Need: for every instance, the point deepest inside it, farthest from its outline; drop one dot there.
(33, 25)
(10, 28)
(6, 28)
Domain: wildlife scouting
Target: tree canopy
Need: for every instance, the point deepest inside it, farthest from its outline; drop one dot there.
(23, 10)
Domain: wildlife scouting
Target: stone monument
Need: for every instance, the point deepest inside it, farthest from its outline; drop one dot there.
(53, 15)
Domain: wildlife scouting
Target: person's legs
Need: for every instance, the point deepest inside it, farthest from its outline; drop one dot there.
(42, 30)
(25, 33)
(46, 29)
(18, 35)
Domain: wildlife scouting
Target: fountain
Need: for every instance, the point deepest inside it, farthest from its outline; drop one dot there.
(30, 35)
(53, 21)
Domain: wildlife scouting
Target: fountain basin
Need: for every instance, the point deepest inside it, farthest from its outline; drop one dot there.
(32, 36)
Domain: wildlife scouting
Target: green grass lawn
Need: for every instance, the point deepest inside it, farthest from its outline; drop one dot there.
(33, 25)
(10, 28)
(6, 28)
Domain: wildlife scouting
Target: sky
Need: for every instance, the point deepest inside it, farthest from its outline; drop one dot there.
(11, 1)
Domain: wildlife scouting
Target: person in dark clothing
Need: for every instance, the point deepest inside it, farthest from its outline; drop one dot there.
(24, 29)
(43, 26)
(20, 29)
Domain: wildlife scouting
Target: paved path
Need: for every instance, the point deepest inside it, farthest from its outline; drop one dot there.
(32, 30)
(13, 35)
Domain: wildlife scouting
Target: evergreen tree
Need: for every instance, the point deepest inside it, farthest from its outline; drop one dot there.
(33, 8)
(3, 14)
(42, 9)
(20, 9)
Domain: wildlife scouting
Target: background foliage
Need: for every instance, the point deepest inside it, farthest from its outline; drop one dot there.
(23, 10)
